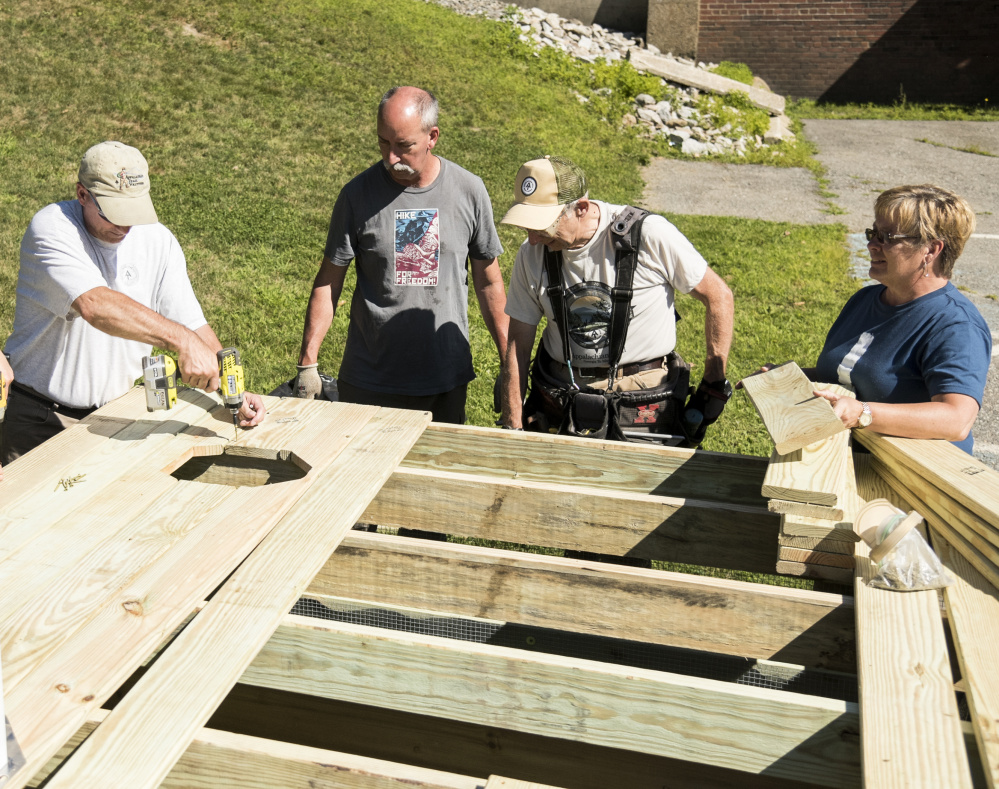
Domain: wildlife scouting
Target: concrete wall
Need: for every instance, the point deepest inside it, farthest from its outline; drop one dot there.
(628, 16)
(860, 50)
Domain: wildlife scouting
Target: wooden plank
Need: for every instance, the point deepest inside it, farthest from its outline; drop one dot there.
(823, 544)
(816, 557)
(803, 526)
(573, 517)
(982, 562)
(802, 509)
(466, 748)
(801, 570)
(745, 728)
(909, 719)
(956, 474)
(815, 474)
(224, 760)
(976, 531)
(614, 465)
(149, 730)
(496, 782)
(695, 612)
(973, 613)
(792, 414)
(56, 694)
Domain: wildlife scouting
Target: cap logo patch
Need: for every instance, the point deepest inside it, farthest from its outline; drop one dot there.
(127, 180)
(529, 186)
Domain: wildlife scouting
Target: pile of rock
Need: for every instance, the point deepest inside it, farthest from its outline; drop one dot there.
(677, 120)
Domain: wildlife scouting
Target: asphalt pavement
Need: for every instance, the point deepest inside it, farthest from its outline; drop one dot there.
(862, 159)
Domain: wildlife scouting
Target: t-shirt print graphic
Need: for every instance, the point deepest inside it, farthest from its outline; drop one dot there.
(417, 247)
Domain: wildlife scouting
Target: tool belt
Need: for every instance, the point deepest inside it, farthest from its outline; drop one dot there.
(555, 406)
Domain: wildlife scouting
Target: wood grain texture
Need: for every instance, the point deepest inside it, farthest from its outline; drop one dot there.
(118, 627)
(792, 414)
(973, 613)
(837, 575)
(816, 557)
(614, 465)
(745, 728)
(807, 510)
(224, 760)
(823, 544)
(150, 729)
(695, 612)
(815, 474)
(732, 536)
(803, 526)
(496, 782)
(909, 719)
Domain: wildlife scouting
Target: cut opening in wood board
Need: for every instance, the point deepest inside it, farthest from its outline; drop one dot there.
(238, 466)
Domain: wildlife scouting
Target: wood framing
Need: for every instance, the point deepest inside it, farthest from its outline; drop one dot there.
(148, 562)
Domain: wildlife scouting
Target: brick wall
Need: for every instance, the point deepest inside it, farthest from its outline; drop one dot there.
(860, 50)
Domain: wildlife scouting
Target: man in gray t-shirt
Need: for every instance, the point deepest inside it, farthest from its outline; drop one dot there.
(409, 222)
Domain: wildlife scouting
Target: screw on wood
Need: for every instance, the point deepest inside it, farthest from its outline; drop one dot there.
(69, 482)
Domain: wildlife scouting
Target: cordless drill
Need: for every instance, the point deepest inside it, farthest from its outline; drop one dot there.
(160, 381)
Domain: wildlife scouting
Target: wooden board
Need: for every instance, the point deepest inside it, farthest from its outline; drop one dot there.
(792, 414)
(823, 544)
(745, 728)
(149, 731)
(693, 612)
(837, 575)
(816, 557)
(973, 613)
(909, 718)
(716, 534)
(135, 550)
(815, 474)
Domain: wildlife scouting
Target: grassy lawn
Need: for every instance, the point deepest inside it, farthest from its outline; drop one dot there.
(253, 115)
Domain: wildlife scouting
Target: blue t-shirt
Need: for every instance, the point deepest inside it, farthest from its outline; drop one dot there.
(936, 344)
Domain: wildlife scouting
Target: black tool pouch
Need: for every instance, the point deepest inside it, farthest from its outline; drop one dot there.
(588, 414)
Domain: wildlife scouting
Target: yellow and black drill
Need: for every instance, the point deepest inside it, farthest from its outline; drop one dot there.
(160, 381)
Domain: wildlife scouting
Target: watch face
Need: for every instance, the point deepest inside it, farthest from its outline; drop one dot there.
(865, 418)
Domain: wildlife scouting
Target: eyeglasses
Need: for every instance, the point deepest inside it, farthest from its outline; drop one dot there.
(882, 237)
(98, 207)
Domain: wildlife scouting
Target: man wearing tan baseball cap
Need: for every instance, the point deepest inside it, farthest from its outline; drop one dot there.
(101, 282)
(605, 277)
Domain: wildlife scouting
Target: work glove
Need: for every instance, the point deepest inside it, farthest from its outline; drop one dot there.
(703, 409)
(308, 384)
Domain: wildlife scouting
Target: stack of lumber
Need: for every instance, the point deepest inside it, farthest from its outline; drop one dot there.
(956, 494)
(809, 475)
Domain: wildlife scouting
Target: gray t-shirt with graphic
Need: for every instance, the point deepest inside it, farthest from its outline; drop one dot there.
(408, 331)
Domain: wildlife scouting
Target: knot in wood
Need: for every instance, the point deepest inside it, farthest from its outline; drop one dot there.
(133, 607)
(62, 688)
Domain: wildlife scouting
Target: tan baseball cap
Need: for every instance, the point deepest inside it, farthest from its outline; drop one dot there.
(118, 177)
(544, 187)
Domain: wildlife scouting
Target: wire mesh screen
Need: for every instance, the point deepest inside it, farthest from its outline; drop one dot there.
(708, 665)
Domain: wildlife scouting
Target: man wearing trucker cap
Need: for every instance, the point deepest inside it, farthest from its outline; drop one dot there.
(101, 282)
(553, 205)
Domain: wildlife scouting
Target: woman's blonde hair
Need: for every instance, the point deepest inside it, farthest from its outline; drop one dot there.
(929, 212)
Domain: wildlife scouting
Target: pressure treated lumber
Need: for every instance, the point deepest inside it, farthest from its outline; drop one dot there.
(803, 526)
(224, 760)
(735, 726)
(815, 557)
(973, 613)
(569, 516)
(823, 544)
(62, 686)
(955, 473)
(984, 562)
(614, 465)
(466, 748)
(696, 612)
(139, 743)
(815, 474)
(792, 414)
(837, 575)
(911, 733)
(798, 508)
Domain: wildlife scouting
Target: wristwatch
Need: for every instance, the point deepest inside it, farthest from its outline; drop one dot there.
(866, 417)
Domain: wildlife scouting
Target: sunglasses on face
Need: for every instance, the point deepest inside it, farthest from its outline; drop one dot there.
(882, 237)
(98, 207)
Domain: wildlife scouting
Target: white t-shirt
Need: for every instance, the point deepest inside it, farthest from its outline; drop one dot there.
(667, 262)
(53, 350)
